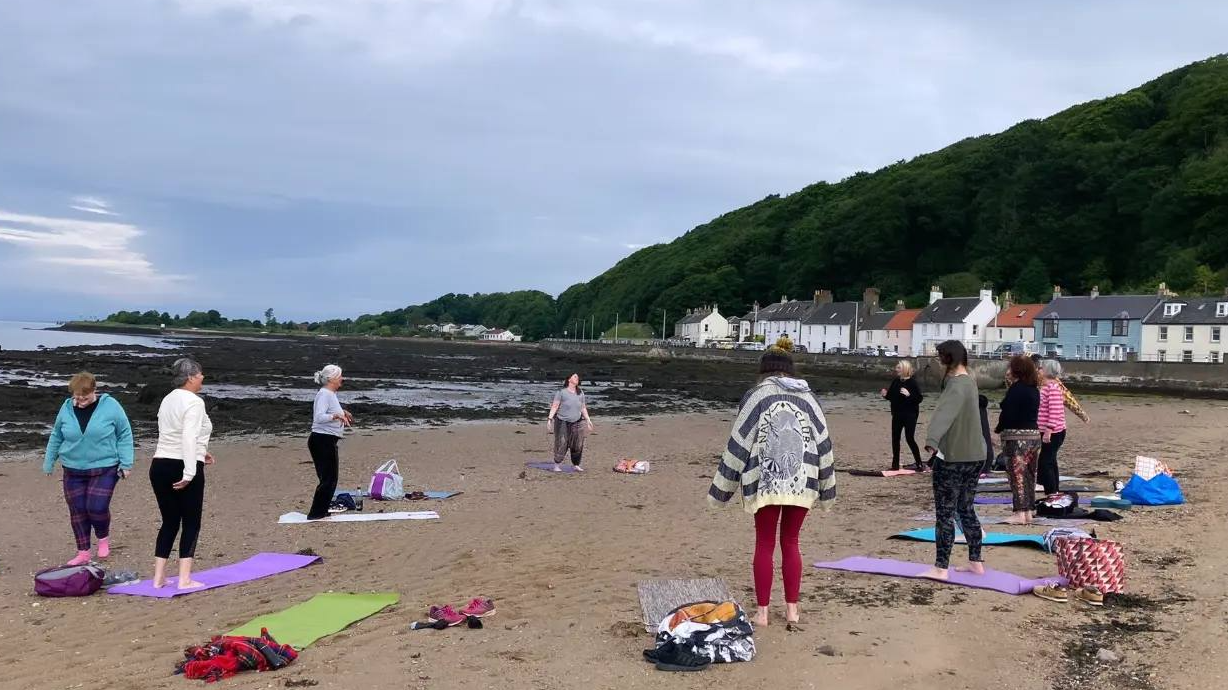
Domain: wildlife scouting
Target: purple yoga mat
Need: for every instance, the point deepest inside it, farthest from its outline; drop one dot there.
(254, 568)
(992, 579)
(549, 466)
(992, 500)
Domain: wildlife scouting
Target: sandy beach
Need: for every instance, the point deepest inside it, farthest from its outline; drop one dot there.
(561, 556)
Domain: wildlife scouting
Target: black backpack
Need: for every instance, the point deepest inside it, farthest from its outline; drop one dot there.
(1058, 505)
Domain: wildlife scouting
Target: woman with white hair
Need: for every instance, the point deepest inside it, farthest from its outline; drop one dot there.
(327, 423)
(177, 472)
(1054, 399)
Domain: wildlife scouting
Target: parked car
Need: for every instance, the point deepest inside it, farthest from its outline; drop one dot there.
(890, 353)
(838, 351)
(750, 346)
(798, 347)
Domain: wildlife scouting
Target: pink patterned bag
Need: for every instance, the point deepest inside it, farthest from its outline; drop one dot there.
(1087, 562)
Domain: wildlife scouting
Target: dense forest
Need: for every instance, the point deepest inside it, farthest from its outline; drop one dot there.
(1120, 193)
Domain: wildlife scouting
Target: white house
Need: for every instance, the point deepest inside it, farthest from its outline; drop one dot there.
(473, 331)
(1187, 330)
(873, 331)
(830, 325)
(955, 318)
(702, 325)
(786, 316)
(500, 335)
(450, 328)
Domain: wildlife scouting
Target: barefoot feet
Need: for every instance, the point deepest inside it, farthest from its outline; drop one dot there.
(761, 617)
(936, 574)
(791, 613)
(973, 567)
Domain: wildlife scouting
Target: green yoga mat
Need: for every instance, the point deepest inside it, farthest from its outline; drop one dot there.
(319, 616)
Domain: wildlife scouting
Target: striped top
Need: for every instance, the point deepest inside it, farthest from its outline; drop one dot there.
(1052, 414)
(778, 452)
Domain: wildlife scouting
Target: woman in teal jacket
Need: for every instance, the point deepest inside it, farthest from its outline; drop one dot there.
(92, 439)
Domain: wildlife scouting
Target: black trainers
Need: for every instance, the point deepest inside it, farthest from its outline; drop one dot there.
(681, 660)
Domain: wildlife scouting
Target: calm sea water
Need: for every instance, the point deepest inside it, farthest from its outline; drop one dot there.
(28, 335)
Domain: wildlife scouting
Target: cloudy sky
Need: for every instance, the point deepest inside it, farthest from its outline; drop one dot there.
(334, 157)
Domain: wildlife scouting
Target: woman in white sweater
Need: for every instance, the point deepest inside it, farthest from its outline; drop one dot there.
(327, 423)
(177, 472)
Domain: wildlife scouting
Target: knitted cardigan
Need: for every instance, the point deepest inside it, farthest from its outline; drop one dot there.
(778, 452)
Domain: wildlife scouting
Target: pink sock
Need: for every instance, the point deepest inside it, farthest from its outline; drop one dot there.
(104, 547)
(82, 558)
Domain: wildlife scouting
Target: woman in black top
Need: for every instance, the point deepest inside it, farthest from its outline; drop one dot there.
(905, 397)
(1020, 437)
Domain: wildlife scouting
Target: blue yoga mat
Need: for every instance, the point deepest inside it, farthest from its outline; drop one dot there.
(991, 538)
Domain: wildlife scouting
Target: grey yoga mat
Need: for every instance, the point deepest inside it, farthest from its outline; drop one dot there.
(659, 597)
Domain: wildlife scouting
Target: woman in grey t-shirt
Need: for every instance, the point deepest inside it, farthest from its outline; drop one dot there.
(569, 422)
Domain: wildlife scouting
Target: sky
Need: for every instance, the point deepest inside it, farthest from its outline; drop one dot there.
(328, 158)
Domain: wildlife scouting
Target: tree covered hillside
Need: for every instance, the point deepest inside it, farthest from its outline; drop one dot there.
(1119, 193)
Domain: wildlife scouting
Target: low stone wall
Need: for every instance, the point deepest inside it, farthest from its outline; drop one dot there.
(1167, 378)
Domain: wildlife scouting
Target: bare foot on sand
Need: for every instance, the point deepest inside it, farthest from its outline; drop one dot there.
(936, 574)
(791, 613)
(159, 584)
(190, 584)
(1016, 520)
(974, 567)
(761, 617)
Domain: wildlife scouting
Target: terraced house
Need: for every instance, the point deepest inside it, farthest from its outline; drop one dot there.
(1187, 330)
(1094, 326)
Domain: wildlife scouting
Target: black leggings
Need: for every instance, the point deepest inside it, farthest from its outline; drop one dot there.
(323, 449)
(1046, 471)
(909, 426)
(181, 508)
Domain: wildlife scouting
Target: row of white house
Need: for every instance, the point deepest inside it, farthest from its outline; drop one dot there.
(1159, 327)
(473, 331)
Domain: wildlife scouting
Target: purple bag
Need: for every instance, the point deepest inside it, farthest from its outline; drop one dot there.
(68, 581)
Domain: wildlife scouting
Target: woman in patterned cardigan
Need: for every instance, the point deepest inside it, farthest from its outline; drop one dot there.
(778, 460)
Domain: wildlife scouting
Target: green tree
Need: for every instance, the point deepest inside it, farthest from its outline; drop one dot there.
(1033, 283)
(1208, 282)
(960, 285)
(269, 319)
(1180, 270)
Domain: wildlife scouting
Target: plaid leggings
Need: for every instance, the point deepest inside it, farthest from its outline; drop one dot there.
(88, 493)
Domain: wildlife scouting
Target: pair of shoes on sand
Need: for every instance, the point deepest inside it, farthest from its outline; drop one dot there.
(479, 607)
(1062, 594)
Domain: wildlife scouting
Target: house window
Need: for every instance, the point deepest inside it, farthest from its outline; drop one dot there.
(1050, 328)
(1221, 309)
(1189, 334)
(1079, 351)
(999, 334)
(974, 329)
(1214, 357)
(1162, 355)
(1215, 334)
(1173, 309)
(950, 329)
(1095, 328)
(1187, 355)
(1121, 327)
(1163, 334)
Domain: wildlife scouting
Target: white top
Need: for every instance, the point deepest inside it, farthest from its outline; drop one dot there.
(322, 412)
(183, 430)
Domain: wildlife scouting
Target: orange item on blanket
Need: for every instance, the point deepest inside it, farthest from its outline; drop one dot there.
(704, 612)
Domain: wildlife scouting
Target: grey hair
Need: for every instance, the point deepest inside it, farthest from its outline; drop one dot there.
(1052, 368)
(183, 369)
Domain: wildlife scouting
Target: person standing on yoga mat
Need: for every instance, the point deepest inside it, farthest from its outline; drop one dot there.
(177, 472)
(92, 438)
(1021, 437)
(954, 438)
(778, 460)
(905, 397)
(1054, 399)
(569, 422)
(328, 422)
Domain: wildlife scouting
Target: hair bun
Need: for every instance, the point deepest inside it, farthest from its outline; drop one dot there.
(784, 344)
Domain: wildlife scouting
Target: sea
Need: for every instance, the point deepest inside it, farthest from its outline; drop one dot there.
(32, 335)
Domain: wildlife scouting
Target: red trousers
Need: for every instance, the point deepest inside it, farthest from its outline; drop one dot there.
(790, 519)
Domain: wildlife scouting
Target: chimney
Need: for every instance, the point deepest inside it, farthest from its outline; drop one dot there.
(986, 294)
(715, 310)
(1163, 291)
(899, 305)
(1095, 291)
(784, 298)
(1006, 300)
(822, 296)
(870, 299)
(935, 293)
(1057, 291)
(756, 310)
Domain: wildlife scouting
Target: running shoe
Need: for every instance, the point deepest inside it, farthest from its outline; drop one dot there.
(446, 615)
(1056, 593)
(1090, 596)
(479, 608)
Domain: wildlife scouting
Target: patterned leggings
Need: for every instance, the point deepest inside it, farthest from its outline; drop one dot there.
(1021, 455)
(954, 491)
(88, 493)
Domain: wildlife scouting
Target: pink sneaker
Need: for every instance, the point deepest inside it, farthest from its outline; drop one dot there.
(480, 608)
(445, 614)
(82, 558)
(104, 547)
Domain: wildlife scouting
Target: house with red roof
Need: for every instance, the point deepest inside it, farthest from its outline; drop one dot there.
(890, 331)
(1014, 323)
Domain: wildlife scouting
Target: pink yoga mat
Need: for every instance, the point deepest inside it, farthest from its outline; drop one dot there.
(254, 568)
(549, 466)
(992, 579)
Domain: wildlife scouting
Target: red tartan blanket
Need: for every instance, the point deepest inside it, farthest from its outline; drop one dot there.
(225, 655)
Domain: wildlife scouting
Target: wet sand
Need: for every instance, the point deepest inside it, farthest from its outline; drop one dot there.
(561, 556)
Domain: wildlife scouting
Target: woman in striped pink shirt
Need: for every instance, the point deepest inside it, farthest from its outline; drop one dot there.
(1051, 419)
